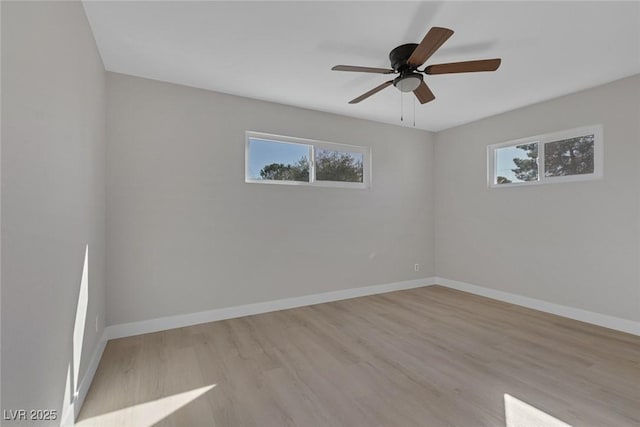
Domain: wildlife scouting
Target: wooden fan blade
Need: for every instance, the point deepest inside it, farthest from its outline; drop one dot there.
(464, 67)
(428, 46)
(371, 92)
(362, 69)
(424, 94)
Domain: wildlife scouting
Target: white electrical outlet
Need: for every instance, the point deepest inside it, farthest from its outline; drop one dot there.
(416, 267)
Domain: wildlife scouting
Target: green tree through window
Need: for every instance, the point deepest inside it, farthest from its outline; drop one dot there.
(527, 169)
(338, 166)
(572, 156)
(281, 172)
(330, 166)
(569, 156)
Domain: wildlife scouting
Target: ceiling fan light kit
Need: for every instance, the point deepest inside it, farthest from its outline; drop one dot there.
(405, 60)
(408, 82)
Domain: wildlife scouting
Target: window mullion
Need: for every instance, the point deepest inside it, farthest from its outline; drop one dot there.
(495, 159)
(541, 160)
(312, 164)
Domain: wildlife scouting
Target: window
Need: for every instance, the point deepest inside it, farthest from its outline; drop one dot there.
(276, 159)
(339, 166)
(281, 161)
(571, 155)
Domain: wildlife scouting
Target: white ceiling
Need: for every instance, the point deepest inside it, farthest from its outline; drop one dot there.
(283, 51)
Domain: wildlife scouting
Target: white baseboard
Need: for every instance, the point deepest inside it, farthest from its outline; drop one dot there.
(182, 320)
(71, 412)
(611, 322)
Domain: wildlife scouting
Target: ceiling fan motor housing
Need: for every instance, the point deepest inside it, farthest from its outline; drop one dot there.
(400, 55)
(408, 80)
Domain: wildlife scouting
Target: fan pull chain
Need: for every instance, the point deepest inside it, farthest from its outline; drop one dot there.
(401, 108)
(414, 111)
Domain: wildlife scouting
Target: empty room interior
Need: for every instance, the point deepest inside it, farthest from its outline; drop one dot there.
(315, 213)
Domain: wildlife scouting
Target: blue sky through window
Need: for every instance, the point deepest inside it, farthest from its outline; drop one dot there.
(505, 164)
(263, 152)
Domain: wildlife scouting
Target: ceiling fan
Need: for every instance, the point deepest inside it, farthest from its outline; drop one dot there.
(405, 60)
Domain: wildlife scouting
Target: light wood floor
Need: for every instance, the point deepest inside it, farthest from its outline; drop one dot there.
(424, 357)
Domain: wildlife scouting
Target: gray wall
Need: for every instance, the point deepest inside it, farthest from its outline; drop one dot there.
(53, 197)
(186, 233)
(577, 243)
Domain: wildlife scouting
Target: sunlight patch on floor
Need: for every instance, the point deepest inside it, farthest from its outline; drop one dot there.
(521, 414)
(148, 413)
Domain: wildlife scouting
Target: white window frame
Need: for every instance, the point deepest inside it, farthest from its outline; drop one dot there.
(598, 156)
(313, 144)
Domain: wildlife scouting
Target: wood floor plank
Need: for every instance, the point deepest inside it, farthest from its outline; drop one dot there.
(430, 356)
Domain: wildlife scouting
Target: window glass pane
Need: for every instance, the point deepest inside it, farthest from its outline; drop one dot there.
(572, 156)
(341, 166)
(270, 160)
(518, 163)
